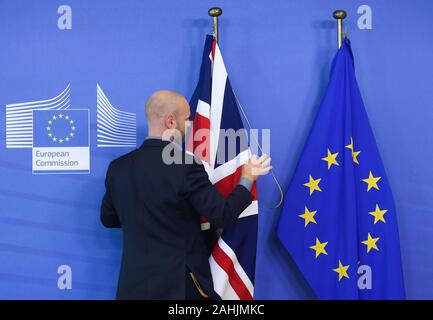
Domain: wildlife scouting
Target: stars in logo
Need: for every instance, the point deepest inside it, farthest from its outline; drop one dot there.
(56, 119)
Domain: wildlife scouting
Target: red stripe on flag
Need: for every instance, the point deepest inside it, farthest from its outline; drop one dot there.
(214, 43)
(199, 140)
(235, 280)
(228, 183)
(199, 144)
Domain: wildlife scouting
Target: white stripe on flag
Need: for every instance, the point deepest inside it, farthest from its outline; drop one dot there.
(219, 78)
(252, 209)
(203, 108)
(221, 282)
(245, 279)
(230, 166)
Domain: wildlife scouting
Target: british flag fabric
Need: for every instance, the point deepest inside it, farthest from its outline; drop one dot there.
(215, 110)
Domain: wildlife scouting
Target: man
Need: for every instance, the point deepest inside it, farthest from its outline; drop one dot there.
(158, 206)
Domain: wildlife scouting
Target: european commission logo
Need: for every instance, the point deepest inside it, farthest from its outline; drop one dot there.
(60, 136)
(61, 142)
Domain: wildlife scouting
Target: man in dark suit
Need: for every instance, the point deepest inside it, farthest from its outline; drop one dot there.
(158, 206)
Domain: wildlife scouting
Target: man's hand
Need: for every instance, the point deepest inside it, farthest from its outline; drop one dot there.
(256, 167)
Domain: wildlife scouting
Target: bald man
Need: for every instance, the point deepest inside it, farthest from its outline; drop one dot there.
(158, 206)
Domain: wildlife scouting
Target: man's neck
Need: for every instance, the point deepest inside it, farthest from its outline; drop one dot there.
(158, 137)
(154, 133)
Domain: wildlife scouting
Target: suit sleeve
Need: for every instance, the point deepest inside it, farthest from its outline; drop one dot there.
(204, 197)
(109, 216)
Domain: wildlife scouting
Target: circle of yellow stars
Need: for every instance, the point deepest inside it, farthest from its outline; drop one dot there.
(60, 117)
(309, 215)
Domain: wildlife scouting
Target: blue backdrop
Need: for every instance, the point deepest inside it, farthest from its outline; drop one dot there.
(278, 55)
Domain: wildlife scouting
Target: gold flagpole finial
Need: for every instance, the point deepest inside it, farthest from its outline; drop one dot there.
(340, 15)
(215, 13)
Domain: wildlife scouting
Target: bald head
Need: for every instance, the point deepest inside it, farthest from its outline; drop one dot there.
(166, 110)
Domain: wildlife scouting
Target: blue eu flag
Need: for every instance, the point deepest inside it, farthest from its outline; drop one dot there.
(61, 128)
(339, 221)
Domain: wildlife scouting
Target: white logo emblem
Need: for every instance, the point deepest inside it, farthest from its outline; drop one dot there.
(115, 128)
(19, 118)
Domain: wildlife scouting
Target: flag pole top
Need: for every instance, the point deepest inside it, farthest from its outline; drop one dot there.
(215, 12)
(340, 15)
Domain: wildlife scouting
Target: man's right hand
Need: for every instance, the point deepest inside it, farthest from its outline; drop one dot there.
(256, 167)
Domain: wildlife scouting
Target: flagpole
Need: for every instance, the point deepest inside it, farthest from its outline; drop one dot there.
(340, 15)
(215, 12)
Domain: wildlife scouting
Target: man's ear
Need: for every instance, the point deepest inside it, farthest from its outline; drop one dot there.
(170, 121)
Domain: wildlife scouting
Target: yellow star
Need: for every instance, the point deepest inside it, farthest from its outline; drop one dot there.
(331, 158)
(50, 134)
(350, 146)
(54, 117)
(71, 134)
(67, 117)
(73, 128)
(61, 140)
(48, 128)
(341, 270)
(371, 181)
(319, 247)
(308, 216)
(371, 243)
(54, 139)
(60, 116)
(50, 122)
(313, 185)
(355, 154)
(71, 122)
(378, 214)
(67, 139)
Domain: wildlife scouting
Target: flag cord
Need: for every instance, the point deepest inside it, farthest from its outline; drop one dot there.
(261, 150)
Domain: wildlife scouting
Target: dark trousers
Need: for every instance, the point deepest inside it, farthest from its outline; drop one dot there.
(193, 288)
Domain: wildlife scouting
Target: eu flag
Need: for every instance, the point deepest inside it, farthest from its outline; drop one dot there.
(61, 128)
(339, 221)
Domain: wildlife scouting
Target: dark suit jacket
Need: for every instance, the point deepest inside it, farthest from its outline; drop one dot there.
(158, 206)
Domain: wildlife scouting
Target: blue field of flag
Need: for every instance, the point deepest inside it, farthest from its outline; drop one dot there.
(60, 128)
(339, 221)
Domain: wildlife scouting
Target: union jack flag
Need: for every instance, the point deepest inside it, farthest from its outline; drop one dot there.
(233, 256)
